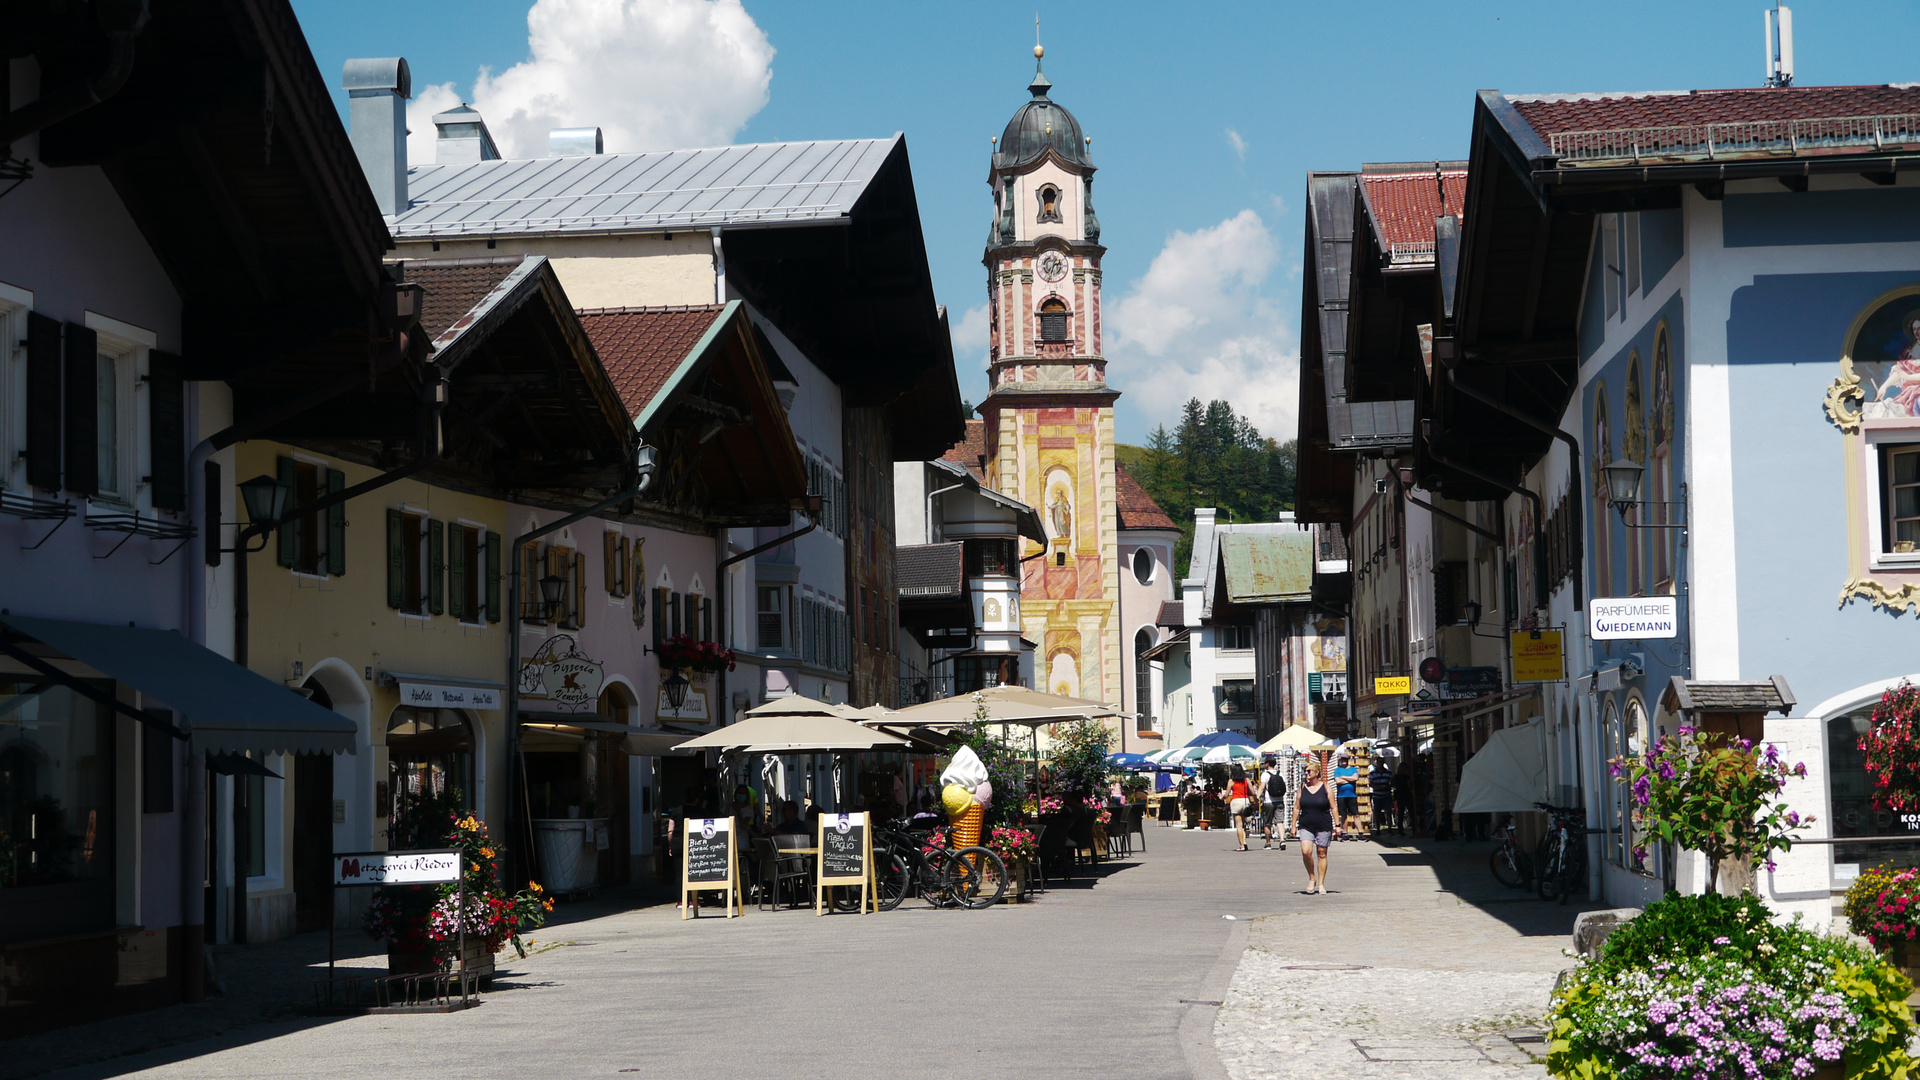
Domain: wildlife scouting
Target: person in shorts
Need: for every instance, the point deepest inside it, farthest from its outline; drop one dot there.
(1345, 779)
(1273, 795)
(1314, 823)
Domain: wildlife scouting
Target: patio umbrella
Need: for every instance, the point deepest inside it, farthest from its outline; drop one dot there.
(1007, 705)
(1509, 773)
(1297, 736)
(1220, 738)
(1229, 753)
(1126, 761)
(794, 734)
(797, 705)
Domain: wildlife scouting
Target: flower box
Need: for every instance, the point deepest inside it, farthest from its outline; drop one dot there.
(1019, 880)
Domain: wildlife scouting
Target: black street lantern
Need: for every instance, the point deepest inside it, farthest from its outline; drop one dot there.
(1473, 612)
(266, 500)
(1623, 483)
(676, 687)
(553, 592)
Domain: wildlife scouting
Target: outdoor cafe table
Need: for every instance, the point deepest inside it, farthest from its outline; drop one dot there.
(796, 844)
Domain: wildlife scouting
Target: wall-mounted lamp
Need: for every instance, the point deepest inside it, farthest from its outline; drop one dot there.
(553, 592)
(1623, 494)
(266, 501)
(676, 688)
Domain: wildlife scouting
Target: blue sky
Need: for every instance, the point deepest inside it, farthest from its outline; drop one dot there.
(1203, 128)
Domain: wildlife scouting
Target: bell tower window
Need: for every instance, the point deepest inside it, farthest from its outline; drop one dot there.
(1049, 204)
(1053, 321)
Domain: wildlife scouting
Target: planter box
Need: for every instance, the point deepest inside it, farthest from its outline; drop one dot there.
(478, 959)
(1019, 882)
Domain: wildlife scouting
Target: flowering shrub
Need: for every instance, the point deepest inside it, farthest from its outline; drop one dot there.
(1891, 747)
(1756, 1001)
(1097, 802)
(1883, 906)
(1714, 795)
(685, 652)
(422, 918)
(939, 838)
(1013, 844)
(1040, 805)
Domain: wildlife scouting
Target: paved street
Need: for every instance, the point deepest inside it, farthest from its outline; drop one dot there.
(1109, 977)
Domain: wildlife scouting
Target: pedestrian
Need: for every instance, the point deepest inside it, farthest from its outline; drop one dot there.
(1240, 803)
(1380, 782)
(1313, 822)
(1345, 777)
(1273, 794)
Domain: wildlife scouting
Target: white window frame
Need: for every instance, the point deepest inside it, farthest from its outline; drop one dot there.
(15, 303)
(1876, 441)
(129, 346)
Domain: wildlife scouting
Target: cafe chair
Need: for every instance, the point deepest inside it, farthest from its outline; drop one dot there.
(776, 866)
(1137, 826)
(1053, 852)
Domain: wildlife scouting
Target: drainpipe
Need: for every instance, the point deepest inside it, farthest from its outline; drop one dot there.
(930, 498)
(107, 82)
(1576, 529)
(1407, 494)
(1539, 548)
(644, 466)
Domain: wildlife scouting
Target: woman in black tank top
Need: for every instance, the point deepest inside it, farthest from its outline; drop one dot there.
(1314, 823)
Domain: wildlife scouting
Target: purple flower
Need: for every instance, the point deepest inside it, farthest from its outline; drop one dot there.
(1800, 768)
(1723, 941)
(1666, 771)
(1793, 817)
(1770, 866)
(1613, 768)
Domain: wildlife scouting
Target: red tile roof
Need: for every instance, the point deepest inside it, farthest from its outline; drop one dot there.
(971, 450)
(1404, 204)
(454, 286)
(1137, 508)
(1548, 114)
(641, 347)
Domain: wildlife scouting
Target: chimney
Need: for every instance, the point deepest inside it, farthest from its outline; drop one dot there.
(377, 93)
(575, 142)
(461, 137)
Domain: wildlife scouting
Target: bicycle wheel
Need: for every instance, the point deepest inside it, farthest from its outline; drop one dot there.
(988, 882)
(1505, 864)
(893, 883)
(1573, 872)
(936, 884)
(1551, 856)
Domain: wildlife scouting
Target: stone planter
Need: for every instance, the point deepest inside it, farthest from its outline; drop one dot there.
(1019, 882)
(478, 959)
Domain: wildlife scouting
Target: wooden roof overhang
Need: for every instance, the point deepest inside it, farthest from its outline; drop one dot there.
(1324, 470)
(1521, 275)
(1386, 304)
(226, 148)
(726, 452)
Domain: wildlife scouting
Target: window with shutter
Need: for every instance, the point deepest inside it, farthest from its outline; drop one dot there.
(579, 590)
(43, 403)
(287, 537)
(706, 619)
(1053, 321)
(530, 575)
(166, 431)
(459, 546)
(773, 621)
(82, 400)
(659, 617)
(614, 562)
(336, 525)
(493, 577)
(436, 567)
(560, 565)
(396, 559)
(673, 615)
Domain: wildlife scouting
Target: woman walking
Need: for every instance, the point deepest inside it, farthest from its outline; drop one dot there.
(1240, 804)
(1313, 822)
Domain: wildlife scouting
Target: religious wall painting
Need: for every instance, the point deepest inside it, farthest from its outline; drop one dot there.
(1063, 662)
(1660, 467)
(1634, 441)
(1601, 453)
(1329, 644)
(1875, 403)
(1059, 506)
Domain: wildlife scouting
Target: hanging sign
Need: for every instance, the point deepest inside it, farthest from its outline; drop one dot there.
(1538, 656)
(561, 673)
(1470, 682)
(846, 858)
(396, 867)
(1633, 618)
(1385, 685)
(708, 862)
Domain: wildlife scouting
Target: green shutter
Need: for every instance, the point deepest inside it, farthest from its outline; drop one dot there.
(493, 577)
(457, 571)
(289, 551)
(659, 617)
(436, 567)
(336, 525)
(396, 559)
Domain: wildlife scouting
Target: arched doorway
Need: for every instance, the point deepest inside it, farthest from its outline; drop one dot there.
(313, 819)
(614, 776)
(429, 773)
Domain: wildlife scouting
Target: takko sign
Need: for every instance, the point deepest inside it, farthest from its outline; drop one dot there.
(1633, 618)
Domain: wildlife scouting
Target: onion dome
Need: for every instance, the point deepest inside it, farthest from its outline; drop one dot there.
(1041, 125)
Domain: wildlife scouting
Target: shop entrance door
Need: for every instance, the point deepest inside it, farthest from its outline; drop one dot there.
(312, 840)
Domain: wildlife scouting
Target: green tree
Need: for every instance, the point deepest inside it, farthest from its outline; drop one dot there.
(1215, 457)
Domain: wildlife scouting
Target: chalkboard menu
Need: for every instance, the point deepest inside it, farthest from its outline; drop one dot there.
(843, 847)
(708, 863)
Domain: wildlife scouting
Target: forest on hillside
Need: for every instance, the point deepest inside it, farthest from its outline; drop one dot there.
(1216, 458)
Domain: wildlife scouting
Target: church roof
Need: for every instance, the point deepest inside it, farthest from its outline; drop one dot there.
(1137, 508)
(1041, 125)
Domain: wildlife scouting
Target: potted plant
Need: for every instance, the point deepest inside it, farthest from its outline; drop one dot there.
(1715, 795)
(1190, 805)
(1883, 906)
(1017, 848)
(423, 925)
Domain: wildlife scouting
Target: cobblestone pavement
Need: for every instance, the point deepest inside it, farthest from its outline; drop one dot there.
(1416, 964)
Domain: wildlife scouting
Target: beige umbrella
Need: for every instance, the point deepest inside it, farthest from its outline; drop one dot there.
(1006, 705)
(1298, 736)
(794, 734)
(797, 705)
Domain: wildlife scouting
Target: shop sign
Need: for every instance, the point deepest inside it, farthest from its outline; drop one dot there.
(693, 708)
(1538, 656)
(1384, 685)
(1470, 682)
(396, 867)
(563, 674)
(443, 696)
(1632, 618)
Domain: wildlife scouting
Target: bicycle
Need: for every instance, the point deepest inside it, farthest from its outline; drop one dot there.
(1562, 855)
(968, 877)
(1511, 866)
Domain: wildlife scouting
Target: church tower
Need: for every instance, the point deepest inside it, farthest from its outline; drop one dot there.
(1049, 411)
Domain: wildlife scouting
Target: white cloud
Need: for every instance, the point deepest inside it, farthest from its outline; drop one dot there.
(1239, 144)
(1198, 324)
(652, 74)
(970, 339)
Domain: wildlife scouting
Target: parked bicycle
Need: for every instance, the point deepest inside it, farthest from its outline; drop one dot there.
(1511, 866)
(968, 877)
(1561, 860)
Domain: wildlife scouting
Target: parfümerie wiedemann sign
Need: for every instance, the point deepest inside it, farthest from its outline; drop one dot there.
(396, 867)
(1632, 618)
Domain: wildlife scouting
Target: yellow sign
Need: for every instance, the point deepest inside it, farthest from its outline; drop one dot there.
(1392, 684)
(1538, 656)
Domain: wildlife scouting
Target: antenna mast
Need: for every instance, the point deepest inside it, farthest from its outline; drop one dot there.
(1779, 43)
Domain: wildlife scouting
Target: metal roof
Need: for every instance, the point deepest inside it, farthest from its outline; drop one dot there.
(764, 184)
(1265, 569)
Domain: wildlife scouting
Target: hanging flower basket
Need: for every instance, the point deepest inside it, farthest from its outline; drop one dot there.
(1891, 749)
(684, 652)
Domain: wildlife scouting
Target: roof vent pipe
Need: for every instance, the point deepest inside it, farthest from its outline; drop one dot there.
(575, 142)
(377, 93)
(461, 137)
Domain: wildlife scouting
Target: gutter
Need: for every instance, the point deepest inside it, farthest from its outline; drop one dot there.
(1577, 526)
(105, 83)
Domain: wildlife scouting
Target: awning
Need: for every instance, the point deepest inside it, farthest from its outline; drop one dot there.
(641, 742)
(1466, 708)
(226, 708)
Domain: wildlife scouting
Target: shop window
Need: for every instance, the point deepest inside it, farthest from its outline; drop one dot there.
(57, 789)
(314, 543)
(1053, 321)
(429, 767)
(989, 557)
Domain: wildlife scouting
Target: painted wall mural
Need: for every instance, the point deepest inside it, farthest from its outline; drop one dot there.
(1875, 402)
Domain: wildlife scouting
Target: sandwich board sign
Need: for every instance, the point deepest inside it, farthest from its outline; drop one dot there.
(708, 863)
(846, 858)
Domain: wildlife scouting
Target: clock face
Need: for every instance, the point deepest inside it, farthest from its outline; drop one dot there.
(1053, 266)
